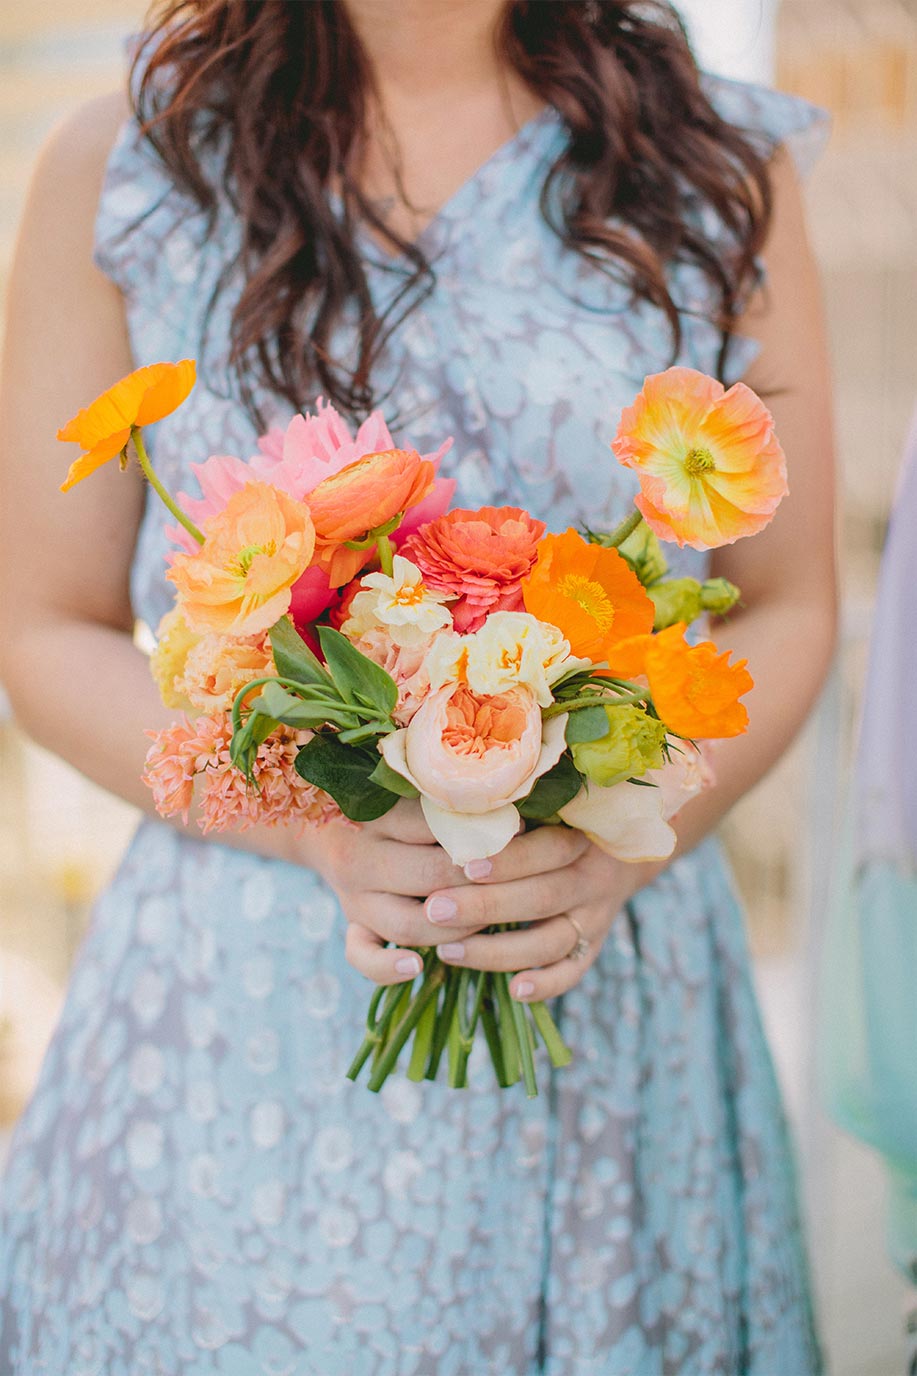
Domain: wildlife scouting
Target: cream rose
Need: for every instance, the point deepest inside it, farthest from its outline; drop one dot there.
(472, 756)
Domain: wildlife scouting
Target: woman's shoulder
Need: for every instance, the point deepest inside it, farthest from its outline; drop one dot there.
(76, 152)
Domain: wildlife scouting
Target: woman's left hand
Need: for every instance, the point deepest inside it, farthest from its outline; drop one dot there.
(571, 906)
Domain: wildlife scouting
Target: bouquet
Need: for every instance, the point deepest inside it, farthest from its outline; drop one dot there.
(341, 639)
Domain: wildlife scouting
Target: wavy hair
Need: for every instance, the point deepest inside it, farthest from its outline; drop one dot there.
(284, 90)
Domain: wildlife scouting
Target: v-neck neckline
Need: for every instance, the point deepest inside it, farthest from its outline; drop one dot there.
(524, 136)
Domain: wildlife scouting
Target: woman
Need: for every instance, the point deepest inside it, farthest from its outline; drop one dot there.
(357, 198)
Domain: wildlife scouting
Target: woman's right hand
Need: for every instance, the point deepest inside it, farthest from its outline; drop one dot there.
(382, 872)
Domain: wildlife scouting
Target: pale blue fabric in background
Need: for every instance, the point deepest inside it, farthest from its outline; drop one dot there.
(196, 1188)
(868, 1024)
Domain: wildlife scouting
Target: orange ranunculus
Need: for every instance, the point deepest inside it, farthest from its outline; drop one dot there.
(478, 557)
(695, 689)
(710, 466)
(104, 428)
(239, 581)
(361, 497)
(587, 592)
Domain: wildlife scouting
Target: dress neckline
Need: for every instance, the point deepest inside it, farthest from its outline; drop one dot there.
(456, 205)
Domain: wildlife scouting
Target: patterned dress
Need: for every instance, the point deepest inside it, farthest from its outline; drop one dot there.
(196, 1189)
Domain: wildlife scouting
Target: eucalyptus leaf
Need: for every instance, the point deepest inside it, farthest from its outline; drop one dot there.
(552, 791)
(586, 724)
(292, 656)
(345, 772)
(358, 679)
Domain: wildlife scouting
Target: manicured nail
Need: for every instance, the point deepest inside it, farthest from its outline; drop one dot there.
(523, 989)
(453, 950)
(408, 965)
(478, 869)
(441, 909)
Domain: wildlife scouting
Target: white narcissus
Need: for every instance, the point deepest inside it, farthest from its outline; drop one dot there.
(472, 757)
(400, 604)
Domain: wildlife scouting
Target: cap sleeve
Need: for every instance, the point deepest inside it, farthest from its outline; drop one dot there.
(772, 118)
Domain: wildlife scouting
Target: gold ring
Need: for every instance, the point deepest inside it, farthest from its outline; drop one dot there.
(580, 947)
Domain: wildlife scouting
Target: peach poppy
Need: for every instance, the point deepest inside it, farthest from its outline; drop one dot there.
(103, 428)
(588, 592)
(695, 689)
(239, 582)
(710, 467)
(361, 498)
(479, 557)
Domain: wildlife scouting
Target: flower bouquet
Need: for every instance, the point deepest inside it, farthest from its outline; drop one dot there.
(341, 639)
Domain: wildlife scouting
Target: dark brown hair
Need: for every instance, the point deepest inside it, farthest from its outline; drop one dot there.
(284, 88)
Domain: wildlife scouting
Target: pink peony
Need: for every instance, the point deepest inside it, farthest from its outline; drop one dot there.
(479, 557)
(311, 449)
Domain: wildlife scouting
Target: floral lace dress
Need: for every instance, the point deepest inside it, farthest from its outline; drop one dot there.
(196, 1189)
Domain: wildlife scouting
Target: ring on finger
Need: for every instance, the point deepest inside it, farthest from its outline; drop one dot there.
(580, 947)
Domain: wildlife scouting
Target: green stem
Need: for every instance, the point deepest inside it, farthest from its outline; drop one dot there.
(386, 555)
(621, 532)
(525, 1047)
(508, 1039)
(423, 1040)
(143, 459)
(444, 1021)
(376, 1027)
(428, 991)
(557, 709)
(492, 1033)
(467, 1024)
(557, 1048)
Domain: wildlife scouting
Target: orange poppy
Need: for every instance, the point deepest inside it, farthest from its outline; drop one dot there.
(695, 689)
(103, 428)
(587, 592)
(710, 467)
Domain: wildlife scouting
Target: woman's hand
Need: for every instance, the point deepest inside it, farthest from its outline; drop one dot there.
(554, 878)
(381, 874)
(396, 884)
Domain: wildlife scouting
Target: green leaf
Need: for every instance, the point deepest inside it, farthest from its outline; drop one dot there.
(552, 791)
(305, 713)
(243, 748)
(345, 771)
(358, 679)
(386, 777)
(292, 656)
(586, 724)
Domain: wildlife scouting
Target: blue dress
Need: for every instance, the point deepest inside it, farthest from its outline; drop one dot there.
(196, 1189)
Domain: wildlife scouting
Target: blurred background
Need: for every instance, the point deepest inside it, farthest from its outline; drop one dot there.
(60, 838)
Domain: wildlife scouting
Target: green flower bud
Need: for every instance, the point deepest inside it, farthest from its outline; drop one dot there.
(675, 599)
(633, 745)
(643, 552)
(718, 596)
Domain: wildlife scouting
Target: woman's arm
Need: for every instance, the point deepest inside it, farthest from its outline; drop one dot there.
(77, 683)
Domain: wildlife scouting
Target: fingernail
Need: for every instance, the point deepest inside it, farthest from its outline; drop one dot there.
(441, 909)
(523, 989)
(453, 950)
(408, 965)
(478, 869)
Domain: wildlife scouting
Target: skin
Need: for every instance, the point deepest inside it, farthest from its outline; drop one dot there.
(81, 688)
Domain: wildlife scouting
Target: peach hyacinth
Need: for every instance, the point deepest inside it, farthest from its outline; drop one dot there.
(478, 557)
(188, 754)
(710, 467)
(239, 581)
(472, 757)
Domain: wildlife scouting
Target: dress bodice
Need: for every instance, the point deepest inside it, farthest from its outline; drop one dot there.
(522, 352)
